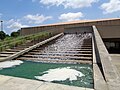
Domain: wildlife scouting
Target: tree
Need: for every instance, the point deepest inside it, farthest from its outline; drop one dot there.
(15, 34)
(2, 35)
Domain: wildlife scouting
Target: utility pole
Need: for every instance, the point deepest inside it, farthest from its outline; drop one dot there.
(1, 25)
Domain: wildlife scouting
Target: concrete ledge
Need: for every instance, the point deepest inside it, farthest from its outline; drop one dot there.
(99, 82)
(93, 51)
(14, 83)
(30, 48)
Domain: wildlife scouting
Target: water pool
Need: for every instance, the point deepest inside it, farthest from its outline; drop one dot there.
(69, 74)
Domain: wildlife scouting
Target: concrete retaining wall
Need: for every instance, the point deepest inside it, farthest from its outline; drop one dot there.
(99, 81)
(107, 69)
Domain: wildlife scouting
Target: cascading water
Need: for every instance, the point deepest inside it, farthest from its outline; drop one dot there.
(64, 44)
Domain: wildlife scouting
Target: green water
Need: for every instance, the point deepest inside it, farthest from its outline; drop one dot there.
(30, 69)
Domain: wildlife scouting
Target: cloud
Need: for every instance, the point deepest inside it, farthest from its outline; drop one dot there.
(30, 20)
(111, 6)
(15, 25)
(69, 3)
(36, 19)
(70, 16)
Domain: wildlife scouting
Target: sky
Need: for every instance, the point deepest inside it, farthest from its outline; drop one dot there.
(17, 14)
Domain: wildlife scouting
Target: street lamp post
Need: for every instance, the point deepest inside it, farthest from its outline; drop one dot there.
(1, 25)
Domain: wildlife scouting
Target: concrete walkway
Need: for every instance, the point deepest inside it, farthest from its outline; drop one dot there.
(116, 61)
(14, 83)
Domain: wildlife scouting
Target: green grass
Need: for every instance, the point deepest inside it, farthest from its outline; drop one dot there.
(10, 42)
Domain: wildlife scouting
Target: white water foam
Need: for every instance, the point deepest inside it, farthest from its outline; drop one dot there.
(60, 74)
(8, 64)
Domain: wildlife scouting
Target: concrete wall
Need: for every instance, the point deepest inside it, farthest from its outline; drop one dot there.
(109, 31)
(33, 30)
(80, 29)
(107, 28)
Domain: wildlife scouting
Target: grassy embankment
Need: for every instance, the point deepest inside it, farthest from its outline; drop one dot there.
(11, 42)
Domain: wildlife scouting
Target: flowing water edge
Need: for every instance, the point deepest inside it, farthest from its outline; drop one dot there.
(69, 74)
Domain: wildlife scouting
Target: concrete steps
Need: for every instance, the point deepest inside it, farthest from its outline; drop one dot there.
(4, 55)
(56, 61)
(85, 52)
(58, 57)
(59, 54)
(13, 53)
(10, 52)
(79, 54)
(13, 50)
(82, 49)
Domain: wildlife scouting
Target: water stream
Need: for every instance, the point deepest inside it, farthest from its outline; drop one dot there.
(66, 44)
